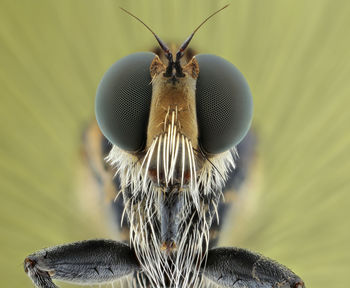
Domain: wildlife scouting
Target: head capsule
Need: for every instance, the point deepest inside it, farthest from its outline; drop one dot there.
(223, 101)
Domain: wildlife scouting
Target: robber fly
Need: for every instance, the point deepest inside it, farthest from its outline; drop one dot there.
(175, 122)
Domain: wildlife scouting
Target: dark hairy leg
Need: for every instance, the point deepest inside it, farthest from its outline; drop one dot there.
(235, 267)
(85, 262)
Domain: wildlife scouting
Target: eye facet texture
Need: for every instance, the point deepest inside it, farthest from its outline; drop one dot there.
(123, 101)
(224, 104)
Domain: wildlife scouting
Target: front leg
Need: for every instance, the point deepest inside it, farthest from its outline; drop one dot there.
(238, 268)
(86, 262)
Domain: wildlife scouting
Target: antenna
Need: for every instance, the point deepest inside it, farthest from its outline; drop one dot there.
(184, 45)
(165, 48)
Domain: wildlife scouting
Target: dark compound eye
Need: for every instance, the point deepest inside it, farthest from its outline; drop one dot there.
(123, 101)
(224, 104)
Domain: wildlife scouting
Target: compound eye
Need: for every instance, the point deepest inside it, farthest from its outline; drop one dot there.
(224, 104)
(123, 101)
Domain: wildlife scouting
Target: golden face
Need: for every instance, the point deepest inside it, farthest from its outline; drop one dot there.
(173, 95)
(172, 130)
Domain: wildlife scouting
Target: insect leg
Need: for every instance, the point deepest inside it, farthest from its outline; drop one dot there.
(86, 262)
(235, 267)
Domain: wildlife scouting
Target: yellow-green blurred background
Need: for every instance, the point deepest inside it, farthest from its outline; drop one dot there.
(295, 55)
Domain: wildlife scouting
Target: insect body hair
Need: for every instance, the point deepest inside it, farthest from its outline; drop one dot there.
(168, 156)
